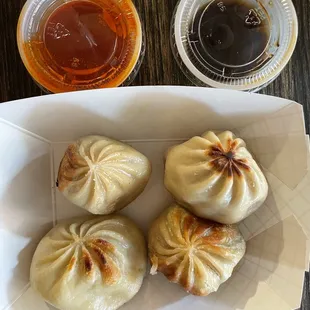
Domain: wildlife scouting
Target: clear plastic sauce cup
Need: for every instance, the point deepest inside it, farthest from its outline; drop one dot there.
(236, 44)
(69, 45)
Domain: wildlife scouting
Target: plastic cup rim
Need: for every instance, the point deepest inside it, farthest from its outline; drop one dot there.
(212, 83)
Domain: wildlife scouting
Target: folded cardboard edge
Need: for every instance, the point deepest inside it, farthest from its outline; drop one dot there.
(25, 131)
(124, 110)
(36, 136)
(279, 256)
(283, 135)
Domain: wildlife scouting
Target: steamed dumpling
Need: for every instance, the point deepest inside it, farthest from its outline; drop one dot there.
(94, 263)
(197, 254)
(215, 177)
(102, 175)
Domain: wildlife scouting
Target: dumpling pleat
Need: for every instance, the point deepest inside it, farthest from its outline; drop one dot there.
(100, 149)
(162, 250)
(108, 224)
(74, 229)
(109, 151)
(58, 259)
(167, 237)
(239, 192)
(221, 190)
(175, 229)
(211, 137)
(82, 190)
(181, 269)
(210, 261)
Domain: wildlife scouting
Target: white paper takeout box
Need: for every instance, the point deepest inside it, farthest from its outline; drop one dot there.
(35, 132)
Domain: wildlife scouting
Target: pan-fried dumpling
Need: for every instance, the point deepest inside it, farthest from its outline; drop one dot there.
(102, 175)
(215, 177)
(91, 263)
(196, 253)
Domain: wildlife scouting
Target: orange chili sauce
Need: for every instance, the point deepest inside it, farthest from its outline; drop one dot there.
(85, 44)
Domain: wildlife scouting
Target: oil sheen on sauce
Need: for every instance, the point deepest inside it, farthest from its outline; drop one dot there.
(86, 43)
(231, 35)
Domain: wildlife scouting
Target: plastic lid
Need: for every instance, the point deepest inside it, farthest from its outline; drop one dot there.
(235, 44)
(80, 44)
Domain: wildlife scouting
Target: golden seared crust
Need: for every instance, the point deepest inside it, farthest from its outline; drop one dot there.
(225, 160)
(71, 161)
(95, 254)
(71, 264)
(102, 256)
(197, 254)
(102, 175)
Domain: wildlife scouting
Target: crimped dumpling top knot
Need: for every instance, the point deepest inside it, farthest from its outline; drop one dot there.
(102, 175)
(215, 177)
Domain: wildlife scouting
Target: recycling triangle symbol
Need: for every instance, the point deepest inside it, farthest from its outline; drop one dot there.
(57, 31)
(252, 19)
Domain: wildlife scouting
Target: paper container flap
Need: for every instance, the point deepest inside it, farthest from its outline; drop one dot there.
(157, 112)
(128, 114)
(285, 213)
(281, 202)
(272, 127)
(29, 301)
(278, 257)
(26, 211)
(271, 273)
(279, 143)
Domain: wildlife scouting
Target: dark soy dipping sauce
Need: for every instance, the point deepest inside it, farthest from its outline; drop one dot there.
(231, 33)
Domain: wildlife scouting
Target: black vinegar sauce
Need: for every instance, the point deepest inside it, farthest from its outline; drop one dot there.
(231, 33)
